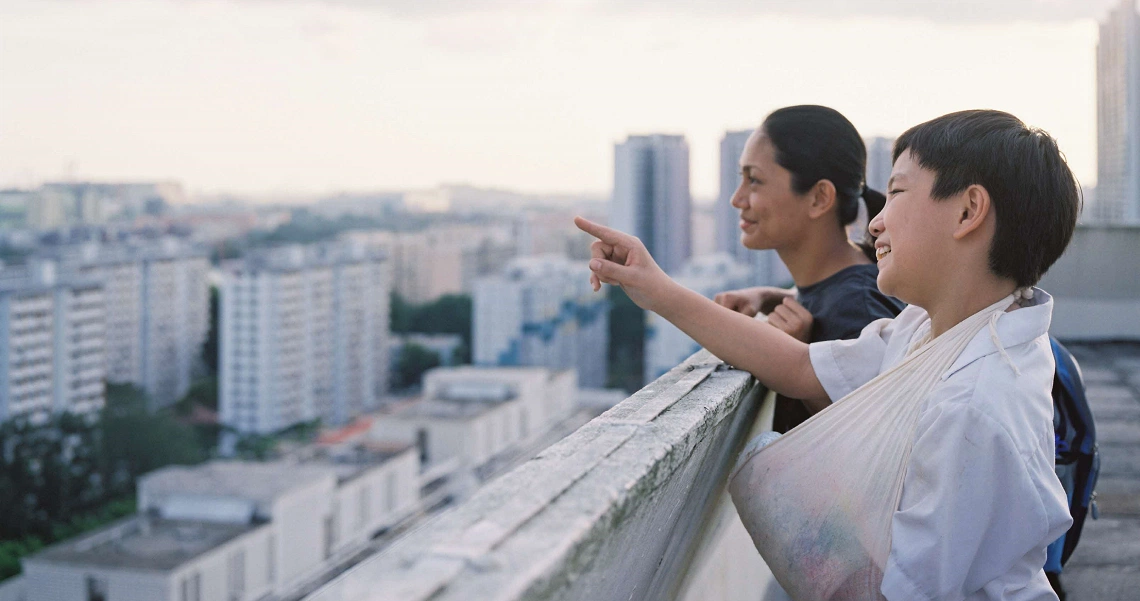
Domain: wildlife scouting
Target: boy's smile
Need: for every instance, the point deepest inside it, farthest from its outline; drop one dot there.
(914, 233)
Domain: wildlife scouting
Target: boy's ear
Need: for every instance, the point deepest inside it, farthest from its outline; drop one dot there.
(822, 196)
(974, 205)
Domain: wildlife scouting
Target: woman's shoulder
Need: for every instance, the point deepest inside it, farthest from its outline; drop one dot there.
(847, 302)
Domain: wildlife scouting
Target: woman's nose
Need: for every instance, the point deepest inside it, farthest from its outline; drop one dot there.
(738, 198)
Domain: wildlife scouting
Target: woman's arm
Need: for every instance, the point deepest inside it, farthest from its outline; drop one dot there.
(776, 359)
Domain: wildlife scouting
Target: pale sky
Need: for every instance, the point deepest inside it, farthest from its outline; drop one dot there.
(298, 97)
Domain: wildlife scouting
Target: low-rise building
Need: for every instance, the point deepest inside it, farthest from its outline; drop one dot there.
(233, 531)
(470, 414)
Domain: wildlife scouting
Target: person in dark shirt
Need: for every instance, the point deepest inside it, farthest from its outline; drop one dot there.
(802, 184)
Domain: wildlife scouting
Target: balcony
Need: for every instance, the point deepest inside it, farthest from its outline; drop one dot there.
(631, 506)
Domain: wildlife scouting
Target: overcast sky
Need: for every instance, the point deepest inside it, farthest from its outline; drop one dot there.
(255, 96)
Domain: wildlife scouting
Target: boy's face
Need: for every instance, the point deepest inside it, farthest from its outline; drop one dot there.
(915, 234)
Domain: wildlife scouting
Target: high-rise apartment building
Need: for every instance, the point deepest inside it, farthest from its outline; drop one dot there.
(651, 196)
(304, 336)
(879, 163)
(765, 267)
(1118, 116)
(728, 216)
(158, 299)
(541, 312)
(51, 343)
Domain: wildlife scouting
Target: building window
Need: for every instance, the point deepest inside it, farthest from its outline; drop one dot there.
(96, 588)
(192, 587)
(236, 574)
(422, 443)
(330, 535)
(271, 561)
(391, 497)
(365, 500)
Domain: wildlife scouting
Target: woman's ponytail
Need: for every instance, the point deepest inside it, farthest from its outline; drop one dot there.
(874, 201)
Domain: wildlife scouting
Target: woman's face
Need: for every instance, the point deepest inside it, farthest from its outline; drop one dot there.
(771, 214)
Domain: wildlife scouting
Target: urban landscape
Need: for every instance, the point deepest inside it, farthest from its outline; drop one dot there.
(414, 392)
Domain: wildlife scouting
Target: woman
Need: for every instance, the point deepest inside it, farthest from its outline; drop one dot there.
(802, 174)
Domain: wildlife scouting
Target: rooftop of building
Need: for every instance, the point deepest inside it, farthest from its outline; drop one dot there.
(298, 257)
(260, 482)
(144, 542)
(447, 408)
(355, 454)
(39, 279)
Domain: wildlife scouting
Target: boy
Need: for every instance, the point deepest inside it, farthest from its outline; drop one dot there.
(978, 206)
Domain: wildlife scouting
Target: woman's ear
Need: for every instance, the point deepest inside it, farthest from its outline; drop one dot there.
(974, 205)
(822, 197)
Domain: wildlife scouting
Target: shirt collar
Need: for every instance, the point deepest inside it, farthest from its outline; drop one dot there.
(1015, 327)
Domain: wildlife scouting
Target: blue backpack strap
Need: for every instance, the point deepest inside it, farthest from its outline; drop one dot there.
(1069, 373)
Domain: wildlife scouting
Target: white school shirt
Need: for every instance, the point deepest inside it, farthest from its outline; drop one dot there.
(980, 500)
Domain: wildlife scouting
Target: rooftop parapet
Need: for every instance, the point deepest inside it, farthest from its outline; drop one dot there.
(617, 510)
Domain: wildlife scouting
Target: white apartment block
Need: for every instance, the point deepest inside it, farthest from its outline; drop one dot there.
(1118, 116)
(665, 345)
(233, 531)
(158, 315)
(445, 259)
(470, 414)
(304, 336)
(541, 312)
(51, 343)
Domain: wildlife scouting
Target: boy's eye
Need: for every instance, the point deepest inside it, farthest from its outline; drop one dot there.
(893, 192)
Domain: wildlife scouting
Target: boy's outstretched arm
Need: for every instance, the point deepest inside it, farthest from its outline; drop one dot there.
(775, 358)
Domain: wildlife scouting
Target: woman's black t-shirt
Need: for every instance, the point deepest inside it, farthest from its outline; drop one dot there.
(841, 305)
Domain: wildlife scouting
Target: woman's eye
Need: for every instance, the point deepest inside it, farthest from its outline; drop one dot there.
(754, 181)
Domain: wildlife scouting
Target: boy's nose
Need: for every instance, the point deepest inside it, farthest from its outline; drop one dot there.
(876, 226)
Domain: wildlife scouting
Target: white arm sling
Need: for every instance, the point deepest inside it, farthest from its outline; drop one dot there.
(818, 501)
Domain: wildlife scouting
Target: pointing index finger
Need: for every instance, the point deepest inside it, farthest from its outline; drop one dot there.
(605, 234)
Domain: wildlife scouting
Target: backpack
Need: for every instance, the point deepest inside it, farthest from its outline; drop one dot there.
(1077, 459)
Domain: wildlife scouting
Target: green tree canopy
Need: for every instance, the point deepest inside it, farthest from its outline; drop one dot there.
(414, 360)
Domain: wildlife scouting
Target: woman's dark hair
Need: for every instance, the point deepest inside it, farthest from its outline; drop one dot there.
(818, 143)
(1035, 197)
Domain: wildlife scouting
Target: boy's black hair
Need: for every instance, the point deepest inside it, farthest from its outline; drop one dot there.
(1034, 194)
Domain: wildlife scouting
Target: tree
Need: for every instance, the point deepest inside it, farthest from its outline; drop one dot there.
(627, 342)
(449, 314)
(413, 362)
(202, 393)
(75, 473)
(136, 441)
(210, 347)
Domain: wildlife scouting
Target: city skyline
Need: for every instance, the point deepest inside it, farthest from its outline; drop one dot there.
(305, 98)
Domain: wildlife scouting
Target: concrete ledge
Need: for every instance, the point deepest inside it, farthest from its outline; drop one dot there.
(614, 511)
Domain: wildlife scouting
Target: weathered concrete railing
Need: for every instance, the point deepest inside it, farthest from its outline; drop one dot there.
(631, 506)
